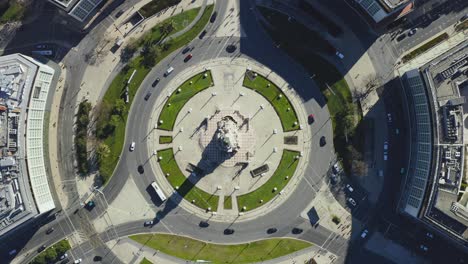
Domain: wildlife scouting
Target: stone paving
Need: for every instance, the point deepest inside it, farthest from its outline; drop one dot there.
(228, 77)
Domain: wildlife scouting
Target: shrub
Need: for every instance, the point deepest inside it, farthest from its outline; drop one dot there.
(82, 122)
(156, 6)
(336, 219)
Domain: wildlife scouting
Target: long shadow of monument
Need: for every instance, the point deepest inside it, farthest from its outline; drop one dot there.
(212, 157)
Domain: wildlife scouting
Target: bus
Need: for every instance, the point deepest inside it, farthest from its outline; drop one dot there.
(158, 191)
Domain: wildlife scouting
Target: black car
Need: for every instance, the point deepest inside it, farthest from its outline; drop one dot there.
(323, 141)
(202, 35)
(119, 14)
(97, 258)
(90, 205)
(401, 37)
(228, 231)
(203, 224)
(213, 17)
(297, 230)
(155, 82)
(147, 96)
(50, 230)
(271, 230)
(185, 50)
(140, 169)
(41, 248)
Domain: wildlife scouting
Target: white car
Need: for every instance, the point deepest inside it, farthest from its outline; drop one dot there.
(364, 233)
(389, 117)
(351, 201)
(385, 156)
(78, 261)
(412, 32)
(64, 256)
(429, 235)
(132, 146)
(423, 248)
(336, 167)
(385, 145)
(350, 189)
(340, 55)
(148, 223)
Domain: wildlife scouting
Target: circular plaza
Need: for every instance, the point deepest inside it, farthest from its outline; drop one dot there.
(227, 139)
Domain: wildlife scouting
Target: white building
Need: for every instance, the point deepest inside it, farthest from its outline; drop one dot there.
(24, 87)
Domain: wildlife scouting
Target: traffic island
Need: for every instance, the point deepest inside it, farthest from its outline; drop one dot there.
(196, 250)
(228, 154)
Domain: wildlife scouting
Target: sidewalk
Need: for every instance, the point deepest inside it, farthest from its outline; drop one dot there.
(130, 252)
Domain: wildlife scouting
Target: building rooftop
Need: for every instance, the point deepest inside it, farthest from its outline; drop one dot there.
(24, 85)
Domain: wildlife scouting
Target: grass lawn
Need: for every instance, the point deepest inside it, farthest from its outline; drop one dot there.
(272, 94)
(186, 188)
(165, 139)
(116, 90)
(179, 22)
(413, 54)
(14, 12)
(286, 167)
(177, 100)
(145, 261)
(228, 202)
(191, 249)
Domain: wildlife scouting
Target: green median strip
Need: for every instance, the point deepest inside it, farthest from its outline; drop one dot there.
(180, 97)
(277, 99)
(196, 250)
(427, 46)
(53, 253)
(279, 179)
(183, 185)
(111, 127)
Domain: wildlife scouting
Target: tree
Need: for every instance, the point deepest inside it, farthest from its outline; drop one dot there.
(102, 151)
(149, 53)
(39, 259)
(50, 255)
(115, 120)
(359, 167)
(127, 52)
(120, 108)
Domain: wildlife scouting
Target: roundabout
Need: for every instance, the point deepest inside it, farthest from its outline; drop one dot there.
(234, 135)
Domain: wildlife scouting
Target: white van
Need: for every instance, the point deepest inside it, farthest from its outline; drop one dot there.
(168, 71)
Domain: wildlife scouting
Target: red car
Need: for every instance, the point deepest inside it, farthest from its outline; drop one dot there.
(188, 57)
(311, 118)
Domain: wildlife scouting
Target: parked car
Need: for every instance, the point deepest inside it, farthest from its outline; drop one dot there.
(352, 201)
(50, 230)
(429, 235)
(188, 57)
(423, 248)
(339, 54)
(364, 233)
(463, 18)
(132, 146)
(336, 167)
(78, 261)
(213, 17)
(412, 32)
(385, 156)
(385, 145)
(155, 82)
(401, 37)
(349, 188)
(389, 117)
(64, 256)
(311, 118)
(148, 223)
(118, 14)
